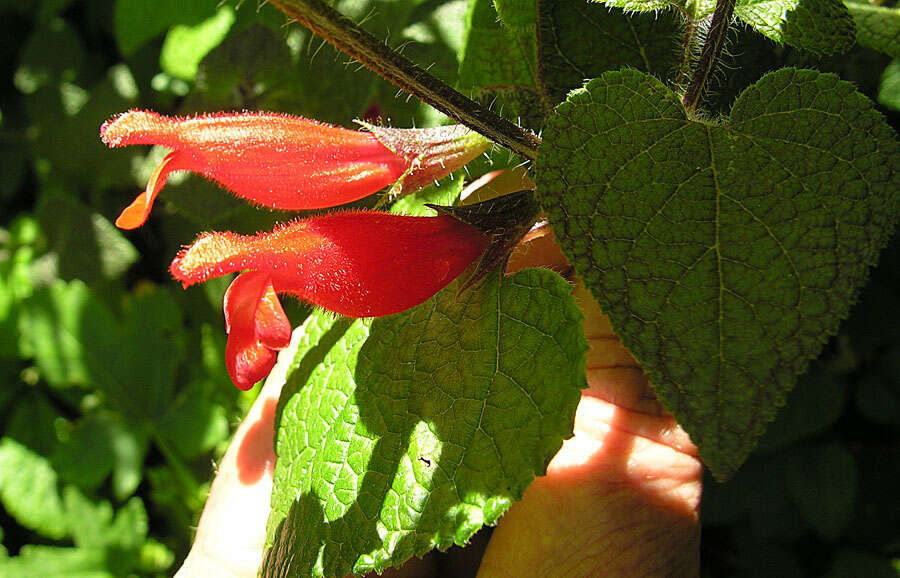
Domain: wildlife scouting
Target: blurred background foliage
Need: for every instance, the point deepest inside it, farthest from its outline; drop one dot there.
(115, 402)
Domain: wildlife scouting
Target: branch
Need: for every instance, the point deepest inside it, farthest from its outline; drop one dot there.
(715, 40)
(375, 55)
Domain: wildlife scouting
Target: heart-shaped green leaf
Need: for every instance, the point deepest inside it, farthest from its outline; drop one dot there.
(725, 254)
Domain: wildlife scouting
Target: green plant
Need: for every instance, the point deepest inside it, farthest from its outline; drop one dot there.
(722, 209)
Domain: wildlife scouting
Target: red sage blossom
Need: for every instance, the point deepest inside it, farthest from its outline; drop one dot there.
(287, 162)
(360, 264)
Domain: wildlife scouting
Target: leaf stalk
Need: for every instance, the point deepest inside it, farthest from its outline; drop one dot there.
(709, 55)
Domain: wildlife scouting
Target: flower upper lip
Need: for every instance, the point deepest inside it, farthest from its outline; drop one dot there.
(287, 162)
(278, 161)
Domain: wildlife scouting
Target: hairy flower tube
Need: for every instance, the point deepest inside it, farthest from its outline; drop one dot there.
(287, 162)
(359, 264)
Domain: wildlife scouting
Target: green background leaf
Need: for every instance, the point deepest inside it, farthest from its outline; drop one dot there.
(411, 432)
(578, 40)
(822, 482)
(820, 26)
(28, 490)
(877, 27)
(497, 60)
(658, 213)
(137, 21)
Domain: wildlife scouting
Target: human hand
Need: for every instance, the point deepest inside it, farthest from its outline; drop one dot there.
(620, 498)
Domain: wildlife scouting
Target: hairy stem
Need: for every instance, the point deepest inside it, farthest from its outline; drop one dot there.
(375, 55)
(686, 56)
(715, 40)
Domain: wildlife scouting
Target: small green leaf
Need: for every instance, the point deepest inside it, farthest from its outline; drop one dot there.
(28, 490)
(445, 192)
(811, 407)
(877, 27)
(100, 444)
(186, 45)
(54, 562)
(725, 255)
(878, 392)
(193, 424)
(16, 282)
(137, 21)
(851, 564)
(889, 90)
(517, 15)
(63, 136)
(819, 26)
(53, 55)
(86, 458)
(93, 527)
(252, 67)
(410, 432)
(151, 347)
(701, 8)
(503, 61)
(31, 422)
(88, 246)
(59, 325)
(822, 482)
(579, 40)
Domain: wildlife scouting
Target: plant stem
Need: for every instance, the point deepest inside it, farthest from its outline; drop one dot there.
(715, 40)
(685, 59)
(377, 56)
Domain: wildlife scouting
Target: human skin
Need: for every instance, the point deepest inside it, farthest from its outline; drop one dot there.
(620, 499)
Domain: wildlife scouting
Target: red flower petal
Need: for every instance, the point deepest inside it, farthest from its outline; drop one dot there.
(272, 327)
(360, 264)
(275, 160)
(137, 212)
(257, 326)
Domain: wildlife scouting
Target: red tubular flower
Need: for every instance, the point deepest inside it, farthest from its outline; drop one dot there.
(359, 264)
(275, 160)
(287, 162)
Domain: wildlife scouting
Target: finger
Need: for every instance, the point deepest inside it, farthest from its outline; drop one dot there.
(232, 529)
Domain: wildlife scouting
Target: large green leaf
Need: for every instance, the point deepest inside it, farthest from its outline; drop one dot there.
(877, 27)
(410, 432)
(725, 255)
